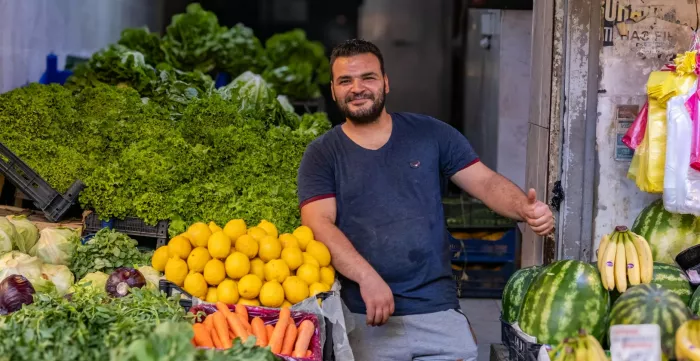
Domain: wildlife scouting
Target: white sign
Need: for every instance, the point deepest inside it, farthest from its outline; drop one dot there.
(635, 342)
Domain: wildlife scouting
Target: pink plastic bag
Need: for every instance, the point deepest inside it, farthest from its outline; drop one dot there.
(270, 316)
(693, 106)
(635, 134)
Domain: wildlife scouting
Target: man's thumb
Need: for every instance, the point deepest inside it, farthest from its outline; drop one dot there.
(531, 196)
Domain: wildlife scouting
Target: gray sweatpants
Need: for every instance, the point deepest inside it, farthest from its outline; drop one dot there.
(440, 336)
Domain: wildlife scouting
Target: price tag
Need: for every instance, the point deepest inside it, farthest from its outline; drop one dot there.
(635, 342)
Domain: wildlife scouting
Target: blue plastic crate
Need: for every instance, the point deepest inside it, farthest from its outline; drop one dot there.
(482, 280)
(484, 251)
(52, 74)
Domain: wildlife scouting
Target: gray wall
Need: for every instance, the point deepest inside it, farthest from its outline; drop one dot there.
(31, 29)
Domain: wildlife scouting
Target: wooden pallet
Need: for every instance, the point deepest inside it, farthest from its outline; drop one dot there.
(37, 217)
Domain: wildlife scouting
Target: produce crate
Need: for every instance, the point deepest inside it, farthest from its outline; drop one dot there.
(467, 212)
(189, 302)
(478, 247)
(130, 226)
(519, 348)
(481, 280)
(48, 200)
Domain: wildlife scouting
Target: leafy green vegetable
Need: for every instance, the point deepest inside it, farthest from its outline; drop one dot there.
(145, 42)
(116, 65)
(192, 39)
(170, 341)
(240, 51)
(105, 252)
(85, 326)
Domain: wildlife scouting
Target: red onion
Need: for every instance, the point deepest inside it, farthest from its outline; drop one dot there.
(123, 279)
(15, 291)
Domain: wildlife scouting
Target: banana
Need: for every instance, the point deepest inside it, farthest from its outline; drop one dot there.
(580, 350)
(601, 249)
(620, 265)
(607, 273)
(694, 333)
(595, 349)
(633, 265)
(683, 344)
(646, 258)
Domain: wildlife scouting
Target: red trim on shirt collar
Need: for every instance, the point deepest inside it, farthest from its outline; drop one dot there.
(317, 198)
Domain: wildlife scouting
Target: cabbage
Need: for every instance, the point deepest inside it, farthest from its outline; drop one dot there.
(23, 264)
(59, 275)
(8, 235)
(56, 245)
(152, 276)
(27, 231)
(97, 280)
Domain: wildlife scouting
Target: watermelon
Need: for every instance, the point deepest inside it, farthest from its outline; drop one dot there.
(668, 233)
(695, 302)
(514, 292)
(671, 278)
(566, 296)
(652, 304)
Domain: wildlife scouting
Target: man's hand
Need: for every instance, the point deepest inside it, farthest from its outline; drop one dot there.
(537, 214)
(378, 299)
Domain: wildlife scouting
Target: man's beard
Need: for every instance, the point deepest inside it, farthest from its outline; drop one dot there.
(365, 115)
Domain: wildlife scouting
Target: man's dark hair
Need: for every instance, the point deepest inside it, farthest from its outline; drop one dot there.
(354, 47)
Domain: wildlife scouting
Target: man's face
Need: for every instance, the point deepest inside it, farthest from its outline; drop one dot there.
(359, 87)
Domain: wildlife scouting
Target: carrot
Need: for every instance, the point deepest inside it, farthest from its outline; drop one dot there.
(235, 323)
(309, 353)
(209, 323)
(215, 339)
(269, 329)
(242, 313)
(280, 329)
(289, 338)
(221, 329)
(259, 331)
(231, 334)
(202, 336)
(222, 308)
(306, 330)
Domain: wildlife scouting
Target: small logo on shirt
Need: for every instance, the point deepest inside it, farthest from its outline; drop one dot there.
(415, 164)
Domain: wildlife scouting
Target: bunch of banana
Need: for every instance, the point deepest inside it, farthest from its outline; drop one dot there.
(624, 257)
(688, 341)
(584, 347)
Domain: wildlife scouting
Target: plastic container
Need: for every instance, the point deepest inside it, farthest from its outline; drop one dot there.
(689, 261)
(484, 251)
(482, 280)
(52, 74)
(48, 200)
(519, 349)
(131, 226)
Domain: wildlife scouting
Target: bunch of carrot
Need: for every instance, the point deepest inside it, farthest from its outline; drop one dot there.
(284, 338)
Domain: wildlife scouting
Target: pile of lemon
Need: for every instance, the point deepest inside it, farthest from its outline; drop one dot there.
(250, 266)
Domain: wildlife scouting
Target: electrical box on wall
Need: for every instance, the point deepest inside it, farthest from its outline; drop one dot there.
(501, 4)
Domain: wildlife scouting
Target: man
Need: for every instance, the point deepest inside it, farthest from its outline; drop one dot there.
(370, 189)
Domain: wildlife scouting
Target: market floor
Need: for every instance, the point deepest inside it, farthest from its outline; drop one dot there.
(484, 316)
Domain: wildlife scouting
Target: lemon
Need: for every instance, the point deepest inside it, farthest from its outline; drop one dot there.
(247, 245)
(269, 228)
(227, 292)
(247, 302)
(286, 304)
(257, 233)
(199, 234)
(272, 294)
(179, 247)
(160, 258)
(309, 273)
(219, 245)
(211, 295)
(293, 257)
(288, 240)
(270, 248)
(276, 270)
(214, 272)
(197, 259)
(213, 227)
(196, 285)
(237, 265)
(257, 267)
(304, 235)
(317, 288)
(295, 289)
(310, 259)
(328, 275)
(176, 271)
(319, 251)
(235, 228)
(249, 286)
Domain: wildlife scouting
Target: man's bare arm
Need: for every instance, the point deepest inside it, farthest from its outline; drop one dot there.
(320, 217)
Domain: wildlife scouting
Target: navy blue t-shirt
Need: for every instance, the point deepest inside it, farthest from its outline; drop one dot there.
(389, 206)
